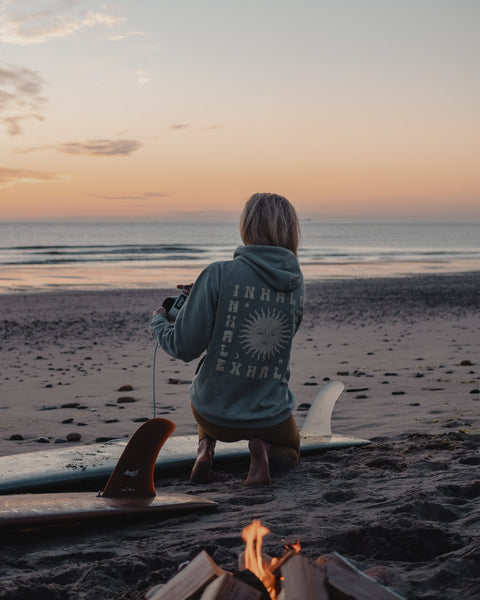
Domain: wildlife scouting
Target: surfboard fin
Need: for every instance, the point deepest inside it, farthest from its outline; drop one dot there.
(318, 422)
(133, 475)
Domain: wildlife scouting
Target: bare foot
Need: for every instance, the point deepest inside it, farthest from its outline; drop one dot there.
(259, 472)
(201, 469)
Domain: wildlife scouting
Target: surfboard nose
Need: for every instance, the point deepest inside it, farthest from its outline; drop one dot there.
(134, 472)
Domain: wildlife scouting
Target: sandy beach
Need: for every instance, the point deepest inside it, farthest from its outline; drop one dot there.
(406, 349)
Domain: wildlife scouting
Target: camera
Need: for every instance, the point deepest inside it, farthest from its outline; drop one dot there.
(173, 305)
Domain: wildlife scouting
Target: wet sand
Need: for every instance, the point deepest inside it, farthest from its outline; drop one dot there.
(407, 350)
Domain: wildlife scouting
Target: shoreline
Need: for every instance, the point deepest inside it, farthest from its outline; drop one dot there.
(21, 279)
(407, 351)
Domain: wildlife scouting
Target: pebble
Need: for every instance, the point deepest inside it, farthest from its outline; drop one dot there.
(141, 420)
(42, 440)
(311, 383)
(354, 390)
(475, 391)
(125, 400)
(70, 405)
(16, 437)
(304, 406)
(466, 363)
(343, 373)
(125, 388)
(73, 437)
(67, 421)
(173, 381)
(398, 393)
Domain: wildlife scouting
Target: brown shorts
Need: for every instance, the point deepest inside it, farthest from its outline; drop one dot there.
(283, 438)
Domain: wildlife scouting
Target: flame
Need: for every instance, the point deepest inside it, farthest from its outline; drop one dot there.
(297, 547)
(253, 535)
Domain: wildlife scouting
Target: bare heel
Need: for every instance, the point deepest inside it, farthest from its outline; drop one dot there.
(202, 468)
(259, 473)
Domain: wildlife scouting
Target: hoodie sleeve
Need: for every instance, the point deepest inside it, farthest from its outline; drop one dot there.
(190, 335)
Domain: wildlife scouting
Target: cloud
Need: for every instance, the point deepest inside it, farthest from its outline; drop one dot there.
(133, 197)
(20, 97)
(118, 37)
(213, 127)
(95, 18)
(90, 147)
(41, 26)
(100, 147)
(179, 126)
(10, 177)
(143, 77)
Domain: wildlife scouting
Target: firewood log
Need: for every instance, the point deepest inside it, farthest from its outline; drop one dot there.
(303, 580)
(346, 582)
(191, 580)
(228, 587)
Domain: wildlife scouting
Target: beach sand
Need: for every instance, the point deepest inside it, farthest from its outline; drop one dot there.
(407, 350)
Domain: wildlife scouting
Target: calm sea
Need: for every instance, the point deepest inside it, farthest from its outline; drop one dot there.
(45, 256)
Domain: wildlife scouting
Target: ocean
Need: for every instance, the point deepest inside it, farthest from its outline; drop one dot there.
(49, 256)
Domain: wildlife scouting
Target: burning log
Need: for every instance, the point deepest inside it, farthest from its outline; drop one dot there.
(229, 586)
(302, 579)
(190, 581)
(291, 577)
(203, 579)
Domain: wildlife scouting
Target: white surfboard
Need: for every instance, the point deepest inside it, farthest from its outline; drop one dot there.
(74, 468)
(130, 490)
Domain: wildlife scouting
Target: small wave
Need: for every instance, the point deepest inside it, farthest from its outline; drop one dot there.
(124, 249)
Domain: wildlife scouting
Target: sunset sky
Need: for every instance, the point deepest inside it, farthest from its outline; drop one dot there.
(153, 109)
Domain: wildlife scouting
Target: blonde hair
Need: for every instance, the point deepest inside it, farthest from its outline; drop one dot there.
(270, 220)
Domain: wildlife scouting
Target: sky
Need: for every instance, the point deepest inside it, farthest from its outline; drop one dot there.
(156, 109)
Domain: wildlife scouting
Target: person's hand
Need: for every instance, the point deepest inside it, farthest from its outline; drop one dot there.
(160, 311)
(185, 288)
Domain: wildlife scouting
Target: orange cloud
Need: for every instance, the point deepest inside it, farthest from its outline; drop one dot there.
(20, 97)
(10, 177)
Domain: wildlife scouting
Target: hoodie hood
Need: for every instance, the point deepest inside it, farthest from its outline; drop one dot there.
(277, 266)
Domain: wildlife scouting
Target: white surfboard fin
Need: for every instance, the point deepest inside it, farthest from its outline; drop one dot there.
(319, 418)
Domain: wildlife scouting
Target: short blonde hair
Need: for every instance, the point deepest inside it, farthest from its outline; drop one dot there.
(270, 220)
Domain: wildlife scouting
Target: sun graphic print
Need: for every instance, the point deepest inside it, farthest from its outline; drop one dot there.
(265, 333)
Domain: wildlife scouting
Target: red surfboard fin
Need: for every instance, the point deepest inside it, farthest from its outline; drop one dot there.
(133, 475)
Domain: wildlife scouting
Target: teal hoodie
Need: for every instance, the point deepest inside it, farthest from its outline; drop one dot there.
(243, 313)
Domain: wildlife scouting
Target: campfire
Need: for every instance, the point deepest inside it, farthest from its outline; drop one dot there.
(260, 577)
